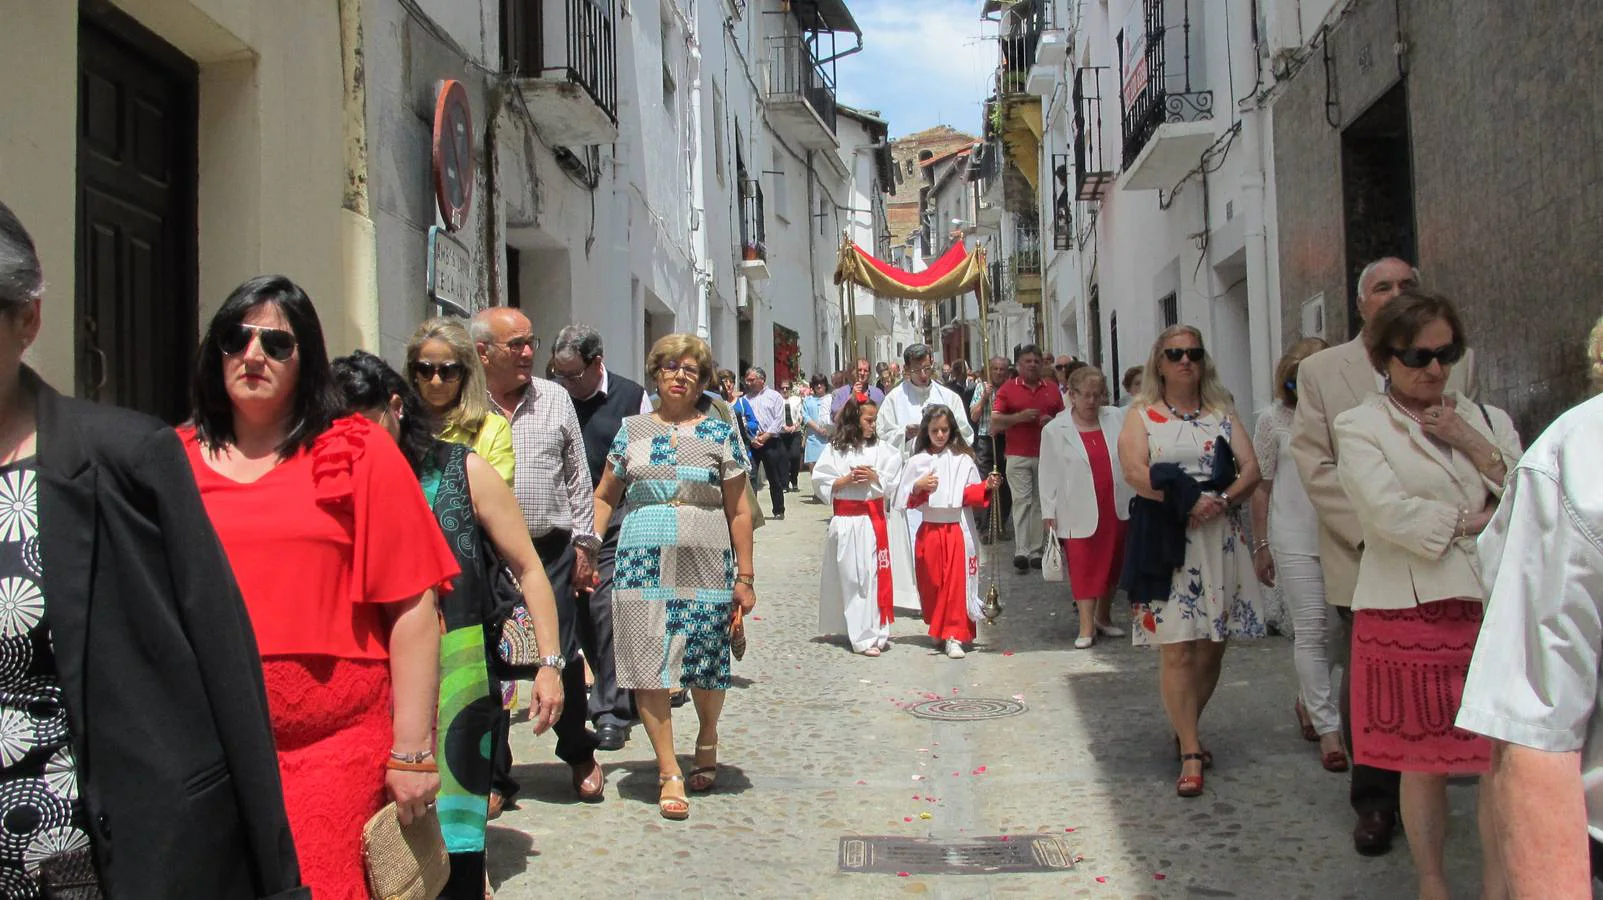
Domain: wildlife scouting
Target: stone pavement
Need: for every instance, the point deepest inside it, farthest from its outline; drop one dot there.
(815, 745)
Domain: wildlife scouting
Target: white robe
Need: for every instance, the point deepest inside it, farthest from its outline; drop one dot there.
(848, 591)
(904, 406)
(953, 473)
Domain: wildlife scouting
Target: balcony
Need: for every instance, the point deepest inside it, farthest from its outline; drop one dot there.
(1167, 114)
(801, 93)
(564, 55)
(1018, 56)
(1092, 173)
(1062, 217)
(753, 232)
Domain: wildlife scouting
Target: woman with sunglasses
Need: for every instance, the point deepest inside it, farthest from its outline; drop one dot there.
(1182, 436)
(1285, 548)
(1424, 469)
(338, 557)
(444, 366)
(475, 508)
(684, 558)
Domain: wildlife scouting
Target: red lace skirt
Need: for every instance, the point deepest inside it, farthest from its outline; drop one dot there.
(331, 719)
(1408, 669)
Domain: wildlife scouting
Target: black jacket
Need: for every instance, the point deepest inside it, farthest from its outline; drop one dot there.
(1155, 538)
(158, 665)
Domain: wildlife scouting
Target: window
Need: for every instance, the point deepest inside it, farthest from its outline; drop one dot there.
(669, 86)
(781, 197)
(718, 131)
(1169, 311)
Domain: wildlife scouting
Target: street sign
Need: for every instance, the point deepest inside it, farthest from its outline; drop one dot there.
(453, 153)
(451, 277)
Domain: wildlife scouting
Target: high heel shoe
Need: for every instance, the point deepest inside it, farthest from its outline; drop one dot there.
(1206, 755)
(1189, 785)
(704, 778)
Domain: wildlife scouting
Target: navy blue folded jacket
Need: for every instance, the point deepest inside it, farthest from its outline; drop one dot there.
(1155, 539)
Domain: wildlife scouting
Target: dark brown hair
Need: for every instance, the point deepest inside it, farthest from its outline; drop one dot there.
(1402, 319)
(954, 438)
(849, 434)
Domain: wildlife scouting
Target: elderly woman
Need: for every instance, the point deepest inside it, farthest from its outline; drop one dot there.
(444, 365)
(474, 508)
(815, 420)
(161, 686)
(1085, 500)
(1287, 549)
(338, 557)
(1424, 469)
(684, 558)
(1185, 452)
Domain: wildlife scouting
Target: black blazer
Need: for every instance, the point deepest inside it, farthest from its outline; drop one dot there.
(158, 664)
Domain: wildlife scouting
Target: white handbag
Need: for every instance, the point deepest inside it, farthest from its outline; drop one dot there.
(1052, 564)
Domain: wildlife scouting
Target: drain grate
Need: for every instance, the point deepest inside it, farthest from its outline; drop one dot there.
(975, 856)
(966, 709)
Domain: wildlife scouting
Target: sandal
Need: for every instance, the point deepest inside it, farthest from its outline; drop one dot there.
(1334, 761)
(1308, 732)
(1206, 755)
(704, 778)
(1189, 785)
(497, 803)
(675, 808)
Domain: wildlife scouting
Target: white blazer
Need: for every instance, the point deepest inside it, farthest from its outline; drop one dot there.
(1067, 491)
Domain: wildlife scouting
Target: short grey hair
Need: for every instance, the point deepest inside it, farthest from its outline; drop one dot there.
(22, 280)
(761, 373)
(479, 329)
(579, 340)
(916, 351)
(1363, 277)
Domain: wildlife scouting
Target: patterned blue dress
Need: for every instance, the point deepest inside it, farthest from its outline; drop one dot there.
(674, 576)
(1214, 596)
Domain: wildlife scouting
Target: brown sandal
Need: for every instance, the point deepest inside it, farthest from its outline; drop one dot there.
(674, 808)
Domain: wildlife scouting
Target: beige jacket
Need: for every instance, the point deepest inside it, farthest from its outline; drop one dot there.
(1328, 384)
(1408, 493)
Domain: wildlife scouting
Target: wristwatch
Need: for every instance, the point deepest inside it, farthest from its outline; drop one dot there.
(553, 662)
(1495, 461)
(588, 543)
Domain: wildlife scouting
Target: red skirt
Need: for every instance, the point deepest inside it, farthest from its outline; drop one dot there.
(1408, 668)
(940, 561)
(331, 719)
(1094, 563)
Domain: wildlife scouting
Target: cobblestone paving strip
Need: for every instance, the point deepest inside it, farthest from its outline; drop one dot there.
(816, 745)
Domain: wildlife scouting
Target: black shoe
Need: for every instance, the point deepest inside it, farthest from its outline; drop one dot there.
(611, 737)
(1035, 563)
(1022, 563)
(1373, 833)
(778, 517)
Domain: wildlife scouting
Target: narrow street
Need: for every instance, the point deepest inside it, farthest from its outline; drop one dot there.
(817, 745)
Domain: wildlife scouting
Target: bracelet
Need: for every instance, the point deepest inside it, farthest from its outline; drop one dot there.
(420, 756)
(1260, 545)
(398, 766)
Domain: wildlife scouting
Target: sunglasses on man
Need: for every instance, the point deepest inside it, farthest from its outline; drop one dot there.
(450, 372)
(1175, 354)
(1419, 357)
(277, 343)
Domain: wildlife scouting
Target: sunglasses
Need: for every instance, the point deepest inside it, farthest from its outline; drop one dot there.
(450, 372)
(1175, 354)
(1419, 358)
(277, 343)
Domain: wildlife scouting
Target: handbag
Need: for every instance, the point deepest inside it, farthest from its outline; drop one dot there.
(510, 626)
(404, 862)
(70, 876)
(1052, 564)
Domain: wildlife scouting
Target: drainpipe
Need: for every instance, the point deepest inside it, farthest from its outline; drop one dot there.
(358, 237)
(698, 189)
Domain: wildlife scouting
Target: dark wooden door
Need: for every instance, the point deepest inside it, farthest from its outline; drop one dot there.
(136, 244)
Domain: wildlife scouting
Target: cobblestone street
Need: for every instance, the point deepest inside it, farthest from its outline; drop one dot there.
(815, 746)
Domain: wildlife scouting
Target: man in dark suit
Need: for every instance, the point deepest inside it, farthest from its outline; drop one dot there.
(602, 399)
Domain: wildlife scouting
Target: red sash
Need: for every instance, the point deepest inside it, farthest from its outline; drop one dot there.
(875, 510)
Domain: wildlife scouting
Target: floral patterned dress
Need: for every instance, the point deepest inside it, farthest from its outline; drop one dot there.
(1214, 596)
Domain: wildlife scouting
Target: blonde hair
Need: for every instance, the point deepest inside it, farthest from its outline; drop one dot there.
(674, 347)
(1211, 391)
(1594, 354)
(1080, 376)
(473, 399)
(1294, 356)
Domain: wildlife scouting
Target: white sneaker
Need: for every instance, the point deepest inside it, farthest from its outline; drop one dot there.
(1111, 630)
(954, 650)
(1081, 643)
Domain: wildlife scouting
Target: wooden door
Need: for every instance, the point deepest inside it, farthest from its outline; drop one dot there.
(136, 243)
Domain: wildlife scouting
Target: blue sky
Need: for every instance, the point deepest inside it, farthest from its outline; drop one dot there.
(922, 64)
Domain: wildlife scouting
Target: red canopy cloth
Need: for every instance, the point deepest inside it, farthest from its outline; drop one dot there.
(956, 272)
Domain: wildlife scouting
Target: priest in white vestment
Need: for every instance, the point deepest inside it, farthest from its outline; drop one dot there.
(899, 418)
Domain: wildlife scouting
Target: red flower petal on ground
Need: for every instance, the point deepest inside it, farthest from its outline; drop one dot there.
(903, 874)
(1102, 879)
(1158, 876)
(1007, 652)
(980, 771)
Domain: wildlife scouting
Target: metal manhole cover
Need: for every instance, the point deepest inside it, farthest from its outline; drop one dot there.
(974, 856)
(966, 709)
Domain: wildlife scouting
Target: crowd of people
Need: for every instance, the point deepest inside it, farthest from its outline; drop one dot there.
(306, 603)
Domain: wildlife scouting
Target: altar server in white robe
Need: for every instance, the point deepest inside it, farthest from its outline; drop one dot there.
(854, 475)
(899, 419)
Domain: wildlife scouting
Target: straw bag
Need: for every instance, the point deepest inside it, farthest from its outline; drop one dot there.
(404, 862)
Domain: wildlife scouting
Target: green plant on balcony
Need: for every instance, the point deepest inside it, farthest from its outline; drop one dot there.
(1013, 81)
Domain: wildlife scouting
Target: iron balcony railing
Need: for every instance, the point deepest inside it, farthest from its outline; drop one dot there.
(1027, 245)
(753, 231)
(1154, 91)
(575, 38)
(794, 73)
(1062, 217)
(1018, 55)
(1092, 174)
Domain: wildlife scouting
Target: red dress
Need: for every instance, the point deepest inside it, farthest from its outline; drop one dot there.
(317, 545)
(1095, 562)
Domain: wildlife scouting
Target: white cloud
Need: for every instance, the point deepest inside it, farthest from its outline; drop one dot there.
(923, 63)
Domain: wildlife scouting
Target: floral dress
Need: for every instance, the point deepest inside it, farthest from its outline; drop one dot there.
(1214, 596)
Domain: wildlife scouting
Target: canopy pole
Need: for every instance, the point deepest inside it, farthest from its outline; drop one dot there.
(851, 299)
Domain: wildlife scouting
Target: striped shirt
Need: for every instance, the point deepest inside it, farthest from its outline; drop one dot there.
(551, 478)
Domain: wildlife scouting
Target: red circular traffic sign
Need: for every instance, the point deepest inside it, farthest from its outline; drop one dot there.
(453, 154)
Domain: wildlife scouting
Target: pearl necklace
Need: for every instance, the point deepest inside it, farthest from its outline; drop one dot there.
(1404, 410)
